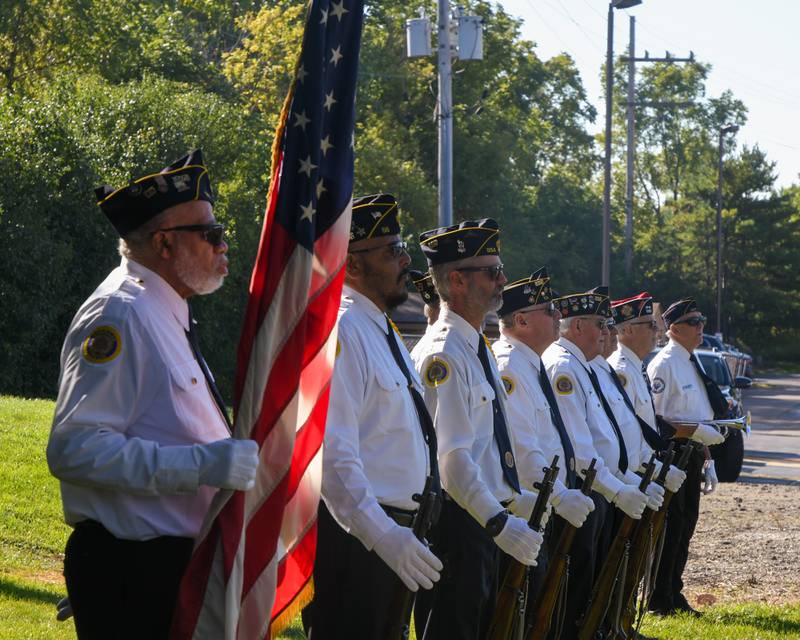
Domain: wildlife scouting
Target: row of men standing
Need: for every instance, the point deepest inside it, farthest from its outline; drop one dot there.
(483, 425)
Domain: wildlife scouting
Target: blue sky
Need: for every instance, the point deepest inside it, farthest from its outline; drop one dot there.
(753, 47)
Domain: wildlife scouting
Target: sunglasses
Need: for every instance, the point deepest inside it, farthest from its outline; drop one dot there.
(692, 322)
(493, 272)
(396, 249)
(650, 324)
(213, 233)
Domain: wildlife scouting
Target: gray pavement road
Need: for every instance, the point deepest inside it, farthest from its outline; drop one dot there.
(772, 450)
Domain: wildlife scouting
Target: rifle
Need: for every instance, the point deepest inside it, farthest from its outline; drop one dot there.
(613, 569)
(641, 549)
(508, 620)
(556, 578)
(659, 524)
(402, 602)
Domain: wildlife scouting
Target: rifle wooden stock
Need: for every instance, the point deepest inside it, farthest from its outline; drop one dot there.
(607, 580)
(557, 571)
(398, 625)
(641, 545)
(514, 589)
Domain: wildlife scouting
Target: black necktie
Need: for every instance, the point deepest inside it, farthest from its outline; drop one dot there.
(623, 451)
(425, 422)
(651, 437)
(500, 428)
(715, 397)
(558, 423)
(191, 335)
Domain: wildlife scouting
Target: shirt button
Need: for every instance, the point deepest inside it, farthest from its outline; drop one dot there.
(194, 380)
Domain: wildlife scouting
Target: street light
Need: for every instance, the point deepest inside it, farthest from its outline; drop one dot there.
(614, 4)
(728, 128)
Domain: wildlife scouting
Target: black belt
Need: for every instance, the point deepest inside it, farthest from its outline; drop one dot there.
(93, 525)
(403, 517)
(446, 497)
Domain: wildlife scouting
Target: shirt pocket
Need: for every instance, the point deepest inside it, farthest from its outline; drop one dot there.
(391, 385)
(193, 403)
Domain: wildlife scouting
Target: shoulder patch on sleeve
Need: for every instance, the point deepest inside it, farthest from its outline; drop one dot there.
(436, 373)
(509, 384)
(102, 345)
(564, 384)
(658, 385)
(623, 379)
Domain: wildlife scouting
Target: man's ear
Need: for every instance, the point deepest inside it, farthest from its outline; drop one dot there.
(161, 245)
(352, 266)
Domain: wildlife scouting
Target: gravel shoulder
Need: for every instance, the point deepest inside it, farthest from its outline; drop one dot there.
(747, 545)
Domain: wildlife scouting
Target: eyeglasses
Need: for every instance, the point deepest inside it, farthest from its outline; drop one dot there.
(693, 321)
(396, 249)
(493, 272)
(650, 324)
(549, 310)
(213, 233)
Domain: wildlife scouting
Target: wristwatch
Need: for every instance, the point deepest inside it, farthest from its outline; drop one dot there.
(495, 524)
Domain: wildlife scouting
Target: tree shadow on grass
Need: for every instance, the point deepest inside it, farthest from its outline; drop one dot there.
(764, 620)
(24, 592)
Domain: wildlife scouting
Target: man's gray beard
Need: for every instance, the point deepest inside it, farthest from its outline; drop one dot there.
(202, 284)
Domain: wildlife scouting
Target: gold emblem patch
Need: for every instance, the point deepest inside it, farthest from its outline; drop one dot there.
(564, 385)
(437, 373)
(508, 383)
(103, 345)
(509, 459)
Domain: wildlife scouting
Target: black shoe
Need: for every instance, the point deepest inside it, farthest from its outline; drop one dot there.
(682, 605)
(661, 613)
(661, 607)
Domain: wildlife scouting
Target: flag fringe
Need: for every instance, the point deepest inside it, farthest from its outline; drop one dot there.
(285, 617)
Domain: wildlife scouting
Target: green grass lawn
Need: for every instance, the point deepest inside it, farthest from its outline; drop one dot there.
(32, 537)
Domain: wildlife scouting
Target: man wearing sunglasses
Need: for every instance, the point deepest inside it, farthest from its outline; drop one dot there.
(529, 323)
(379, 444)
(485, 509)
(583, 327)
(140, 437)
(682, 391)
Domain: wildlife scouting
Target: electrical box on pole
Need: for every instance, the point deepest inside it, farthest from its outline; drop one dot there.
(418, 37)
(470, 38)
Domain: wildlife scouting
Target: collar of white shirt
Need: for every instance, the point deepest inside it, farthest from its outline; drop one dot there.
(629, 355)
(160, 288)
(601, 362)
(574, 349)
(678, 349)
(525, 351)
(367, 306)
(450, 318)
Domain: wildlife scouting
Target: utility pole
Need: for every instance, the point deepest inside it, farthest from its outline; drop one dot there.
(445, 117)
(630, 152)
(631, 59)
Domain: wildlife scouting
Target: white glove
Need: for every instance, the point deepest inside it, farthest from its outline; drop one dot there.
(710, 482)
(707, 435)
(519, 541)
(573, 506)
(631, 501)
(655, 496)
(522, 505)
(674, 480)
(63, 609)
(411, 560)
(228, 464)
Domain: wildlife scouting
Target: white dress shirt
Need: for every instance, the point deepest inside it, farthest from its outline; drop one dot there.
(122, 426)
(583, 414)
(629, 369)
(678, 390)
(460, 402)
(535, 436)
(638, 450)
(374, 452)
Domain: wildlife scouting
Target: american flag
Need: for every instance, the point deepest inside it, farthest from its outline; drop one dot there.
(251, 569)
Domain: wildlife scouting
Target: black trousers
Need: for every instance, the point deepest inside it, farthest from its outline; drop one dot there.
(589, 548)
(461, 604)
(684, 509)
(123, 588)
(352, 586)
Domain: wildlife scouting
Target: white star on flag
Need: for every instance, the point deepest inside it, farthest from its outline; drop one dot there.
(302, 120)
(306, 166)
(329, 100)
(338, 10)
(324, 16)
(320, 189)
(308, 211)
(336, 55)
(301, 73)
(325, 144)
